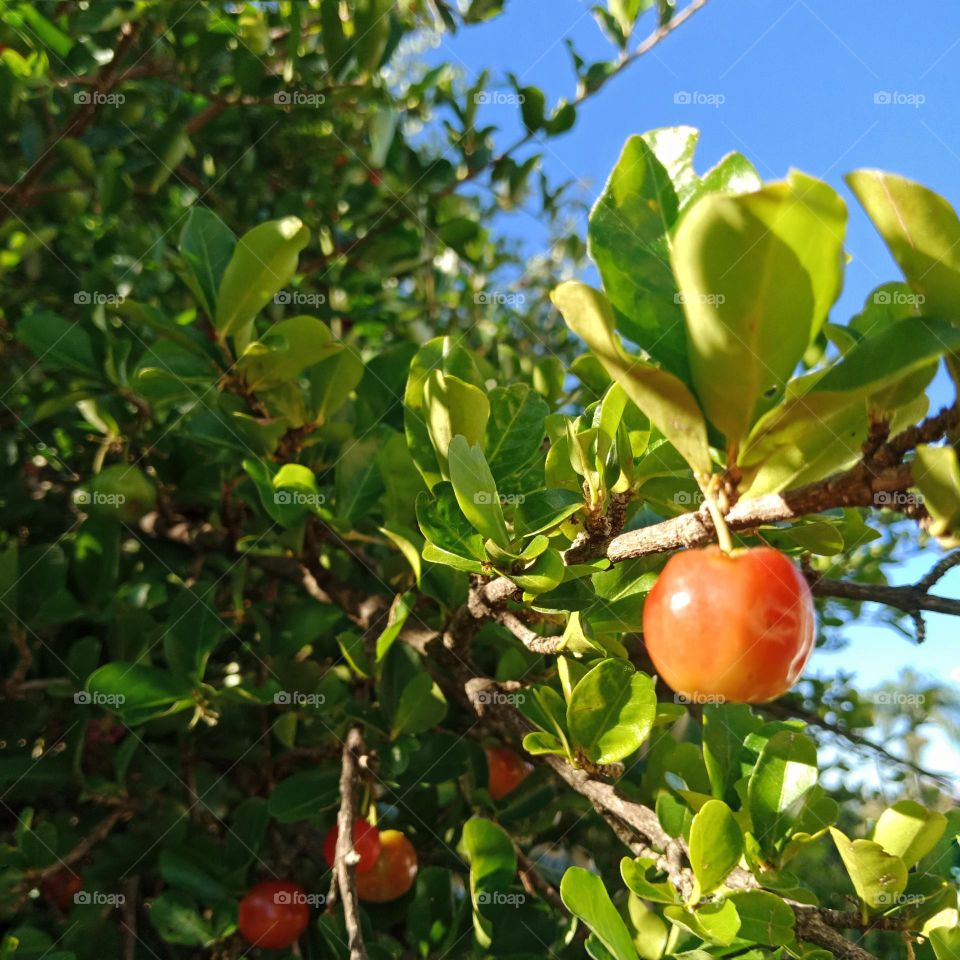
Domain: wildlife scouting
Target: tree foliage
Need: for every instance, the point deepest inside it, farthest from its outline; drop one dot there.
(316, 486)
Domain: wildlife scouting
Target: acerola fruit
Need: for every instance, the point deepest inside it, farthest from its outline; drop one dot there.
(736, 627)
(366, 841)
(274, 914)
(507, 770)
(60, 888)
(394, 872)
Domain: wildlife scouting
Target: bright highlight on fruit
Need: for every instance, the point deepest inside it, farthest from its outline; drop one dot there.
(737, 627)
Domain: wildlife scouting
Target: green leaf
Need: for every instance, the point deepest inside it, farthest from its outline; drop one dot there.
(515, 430)
(923, 233)
(757, 273)
(453, 408)
(443, 524)
(476, 491)
(139, 692)
(285, 351)
(909, 830)
(542, 510)
(764, 918)
(661, 396)
(714, 922)
(877, 877)
(543, 575)
(936, 474)
(263, 263)
(585, 896)
(611, 711)
(716, 844)
(421, 706)
(438, 355)
(332, 380)
(176, 918)
(785, 772)
(628, 242)
(206, 245)
(193, 631)
(725, 727)
(945, 942)
(399, 611)
(635, 875)
(57, 342)
(305, 795)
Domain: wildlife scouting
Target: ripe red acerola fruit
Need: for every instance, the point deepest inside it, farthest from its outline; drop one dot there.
(366, 841)
(736, 627)
(507, 770)
(393, 873)
(274, 914)
(59, 888)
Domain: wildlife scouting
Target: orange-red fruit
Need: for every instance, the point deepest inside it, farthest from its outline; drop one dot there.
(506, 771)
(59, 888)
(736, 627)
(394, 872)
(366, 841)
(274, 914)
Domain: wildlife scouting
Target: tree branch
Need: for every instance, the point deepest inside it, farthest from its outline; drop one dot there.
(346, 856)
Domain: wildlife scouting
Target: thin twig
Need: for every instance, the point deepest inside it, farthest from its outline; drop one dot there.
(346, 856)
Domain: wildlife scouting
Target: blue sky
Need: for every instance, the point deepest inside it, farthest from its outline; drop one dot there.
(794, 84)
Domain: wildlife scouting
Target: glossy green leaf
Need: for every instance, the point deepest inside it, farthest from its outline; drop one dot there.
(206, 245)
(716, 923)
(476, 491)
(544, 509)
(635, 875)
(909, 830)
(585, 896)
(611, 711)
(139, 692)
(263, 263)
(922, 231)
(786, 770)
(764, 918)
(661, 396)
(757, 273)
(937, 477)
(515, 430)
(285, 351)
(877, 877)
(716, 844)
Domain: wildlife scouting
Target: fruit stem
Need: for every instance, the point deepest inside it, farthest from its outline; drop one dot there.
(724, 539)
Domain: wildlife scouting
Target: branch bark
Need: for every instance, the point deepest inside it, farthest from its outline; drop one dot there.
(346, 856)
